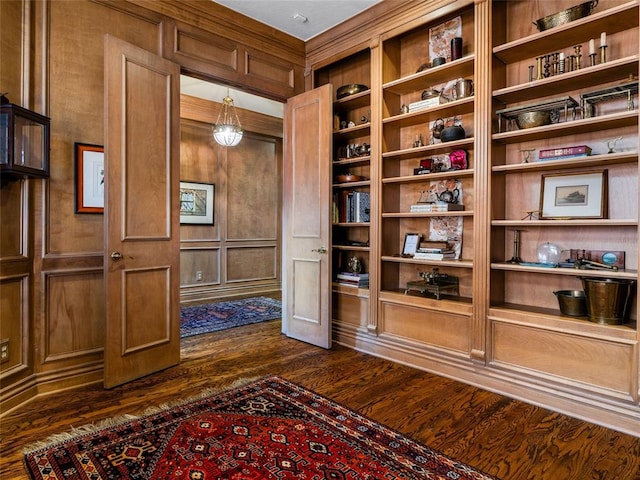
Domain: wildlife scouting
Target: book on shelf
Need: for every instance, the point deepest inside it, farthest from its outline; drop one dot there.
(434, 250)
(434, 244)
(564, 152)
(435, 207)
(352, 207)
(434, 256)
(352, 276)
(422, 104)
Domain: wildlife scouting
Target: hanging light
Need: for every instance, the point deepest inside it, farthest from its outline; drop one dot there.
(227, 130)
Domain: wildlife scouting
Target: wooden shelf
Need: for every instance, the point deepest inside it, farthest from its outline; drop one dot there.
(357, 100)
(352, 161)
(435, 149)
(612, 20)
(350, 224)
(447, 304)
(574, 127)
(449, 109)
(354, 248)
(602, 223)
(463, 213)
(429, 177)
(363, 183)
(570, 272)
(586, 77)
(431, 76)
(349, 133)
(591, 161)
(346, 289)
(447, 263)
(552, 319)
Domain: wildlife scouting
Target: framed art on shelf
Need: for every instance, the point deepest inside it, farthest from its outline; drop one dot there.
(196, 203)
(89, 169)
(574, 196)
(411, 244)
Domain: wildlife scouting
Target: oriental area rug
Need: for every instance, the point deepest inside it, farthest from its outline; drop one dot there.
(268, 428)
(214, 317)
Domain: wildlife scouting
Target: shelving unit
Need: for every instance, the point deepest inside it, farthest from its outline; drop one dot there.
(504, 330)
(401, 187)
(523, 310)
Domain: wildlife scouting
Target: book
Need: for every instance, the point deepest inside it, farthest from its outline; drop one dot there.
(435, 207)
(562, 157)
(362, 207)
(578, 150)
(434, 256)
(422, 104)
(352, 276)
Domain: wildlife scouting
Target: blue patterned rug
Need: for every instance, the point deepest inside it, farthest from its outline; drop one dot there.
(213, 317)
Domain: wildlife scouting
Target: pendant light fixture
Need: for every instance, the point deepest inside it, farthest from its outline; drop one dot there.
(227, 130)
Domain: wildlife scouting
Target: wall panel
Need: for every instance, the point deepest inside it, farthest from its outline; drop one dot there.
(252, 263)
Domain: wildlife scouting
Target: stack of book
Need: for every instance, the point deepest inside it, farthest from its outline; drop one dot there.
(422, 104)
(350, 279)
(564, 153)
(428, 253)
(435, 207)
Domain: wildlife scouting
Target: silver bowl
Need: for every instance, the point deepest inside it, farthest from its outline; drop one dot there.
(533, 119)
(346, 90)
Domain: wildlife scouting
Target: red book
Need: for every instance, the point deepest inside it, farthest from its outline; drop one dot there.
(565, 152)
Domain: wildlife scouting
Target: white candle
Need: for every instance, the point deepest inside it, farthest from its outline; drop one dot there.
(603, 39)
(592, 46)
(561, 55)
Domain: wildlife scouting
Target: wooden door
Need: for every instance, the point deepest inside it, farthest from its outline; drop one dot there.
(142, 233)
(306, 274)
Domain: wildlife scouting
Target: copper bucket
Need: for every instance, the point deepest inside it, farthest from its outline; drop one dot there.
(608, 299)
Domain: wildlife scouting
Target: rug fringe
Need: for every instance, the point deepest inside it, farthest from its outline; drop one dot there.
(75, 432)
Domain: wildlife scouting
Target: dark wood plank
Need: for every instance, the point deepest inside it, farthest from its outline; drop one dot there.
(501, 436)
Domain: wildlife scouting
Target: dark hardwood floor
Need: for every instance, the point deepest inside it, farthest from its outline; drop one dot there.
(503, 437)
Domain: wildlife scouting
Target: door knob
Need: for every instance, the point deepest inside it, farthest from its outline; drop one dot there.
(115, 256)
(322, 249)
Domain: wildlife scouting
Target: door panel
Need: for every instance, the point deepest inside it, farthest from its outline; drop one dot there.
(306, 217)
(142, 236)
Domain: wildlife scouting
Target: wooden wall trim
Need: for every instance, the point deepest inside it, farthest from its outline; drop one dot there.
(228, 24)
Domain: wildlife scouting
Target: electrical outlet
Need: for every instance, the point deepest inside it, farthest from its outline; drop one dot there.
(199, 276)
(4, 350)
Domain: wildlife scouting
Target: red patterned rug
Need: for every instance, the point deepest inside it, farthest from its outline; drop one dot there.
(270, 428)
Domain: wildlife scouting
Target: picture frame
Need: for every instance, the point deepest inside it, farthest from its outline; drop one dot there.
(579, 195)
(411, 244)
(196, 203)
(89, 173)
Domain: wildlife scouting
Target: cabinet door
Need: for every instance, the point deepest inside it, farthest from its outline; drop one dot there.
(306, 275)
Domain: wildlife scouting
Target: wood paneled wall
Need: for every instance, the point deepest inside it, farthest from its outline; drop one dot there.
(51, 259)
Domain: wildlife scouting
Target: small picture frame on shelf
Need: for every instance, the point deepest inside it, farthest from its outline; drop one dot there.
(411, 244)
(578, 195)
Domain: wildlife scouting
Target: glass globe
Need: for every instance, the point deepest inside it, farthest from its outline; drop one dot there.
(549, 253)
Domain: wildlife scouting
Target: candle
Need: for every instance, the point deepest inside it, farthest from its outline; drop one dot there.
(592, 46)
(603, 39)
(561, 55)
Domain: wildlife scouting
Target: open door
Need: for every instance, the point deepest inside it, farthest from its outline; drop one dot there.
(306, 275)
(142, 236)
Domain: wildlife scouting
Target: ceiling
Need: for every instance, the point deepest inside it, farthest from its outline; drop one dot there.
(303, 19)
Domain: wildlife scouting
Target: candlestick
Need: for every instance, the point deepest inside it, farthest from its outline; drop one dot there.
(531, 67)
(561, 63)
(539, 65)
(603, 53)
(592, 59)
(592, 46)
(516, 248)
(577, 49)
(555, 63)
(603, 39)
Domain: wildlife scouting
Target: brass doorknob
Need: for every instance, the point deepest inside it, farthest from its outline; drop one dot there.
(115, 256)
(322, 249)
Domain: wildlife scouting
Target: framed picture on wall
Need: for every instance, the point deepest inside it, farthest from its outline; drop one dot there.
(196, 203)
(89, 170)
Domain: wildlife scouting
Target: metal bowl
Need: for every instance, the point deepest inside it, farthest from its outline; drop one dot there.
(533, 119)
(572, 302)
(346, 90)
(566, 16)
